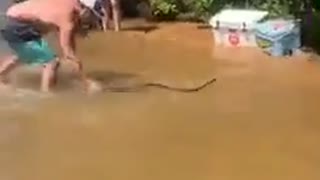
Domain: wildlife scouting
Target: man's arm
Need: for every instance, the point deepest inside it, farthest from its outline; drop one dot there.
(67, 40)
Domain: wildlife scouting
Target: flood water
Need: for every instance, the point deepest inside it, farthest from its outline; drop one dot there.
(260, 120)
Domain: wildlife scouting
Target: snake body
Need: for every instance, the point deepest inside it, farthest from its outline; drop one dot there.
(161, 86)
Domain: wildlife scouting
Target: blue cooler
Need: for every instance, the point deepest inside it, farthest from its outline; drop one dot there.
(278, 37)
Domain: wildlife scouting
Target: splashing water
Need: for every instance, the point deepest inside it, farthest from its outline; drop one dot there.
(19, 99)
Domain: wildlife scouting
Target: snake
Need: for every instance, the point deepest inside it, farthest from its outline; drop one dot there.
(161, 86)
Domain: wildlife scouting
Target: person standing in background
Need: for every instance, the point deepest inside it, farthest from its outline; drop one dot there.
(106, 9)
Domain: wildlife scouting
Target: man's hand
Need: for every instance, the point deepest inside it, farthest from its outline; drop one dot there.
(78, 70)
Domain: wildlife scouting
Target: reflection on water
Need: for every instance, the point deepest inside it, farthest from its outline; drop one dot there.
(259, 121)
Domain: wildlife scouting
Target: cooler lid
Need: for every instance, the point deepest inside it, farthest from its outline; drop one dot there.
(234, 18)
(275, 28)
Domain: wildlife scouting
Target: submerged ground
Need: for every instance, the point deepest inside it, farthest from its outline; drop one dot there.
(260, 120)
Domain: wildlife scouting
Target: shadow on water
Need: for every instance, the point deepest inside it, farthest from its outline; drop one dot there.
(110, 76)
(117, 82)
(204, 27)
(145, 29)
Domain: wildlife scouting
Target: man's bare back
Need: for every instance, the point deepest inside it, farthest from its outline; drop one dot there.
(54, 14)
(47, 11)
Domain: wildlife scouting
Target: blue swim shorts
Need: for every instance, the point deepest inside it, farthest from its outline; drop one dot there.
(27, 42)
(34, 52)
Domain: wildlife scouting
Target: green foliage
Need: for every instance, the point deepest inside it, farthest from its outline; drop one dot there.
(202, 9)
(276, 8)
(165, 9)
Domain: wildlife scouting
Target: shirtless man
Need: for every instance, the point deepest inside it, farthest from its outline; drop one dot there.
(28, 21)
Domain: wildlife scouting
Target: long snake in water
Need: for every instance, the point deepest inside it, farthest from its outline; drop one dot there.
(159, 85)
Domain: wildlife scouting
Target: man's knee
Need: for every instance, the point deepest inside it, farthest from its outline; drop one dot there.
(53, 64)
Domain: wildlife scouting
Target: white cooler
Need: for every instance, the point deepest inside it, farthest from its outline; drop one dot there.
(236, 27)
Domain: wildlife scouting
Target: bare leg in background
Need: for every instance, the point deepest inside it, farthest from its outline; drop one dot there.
(116, 12)
(106, 18)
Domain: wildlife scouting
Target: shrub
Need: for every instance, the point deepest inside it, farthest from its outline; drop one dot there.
(164, 9)
(202, 9)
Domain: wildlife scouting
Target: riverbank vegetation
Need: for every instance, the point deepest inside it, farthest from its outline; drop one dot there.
(201, 10)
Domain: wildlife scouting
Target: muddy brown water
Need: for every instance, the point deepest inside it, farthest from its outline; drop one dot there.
(260, 120)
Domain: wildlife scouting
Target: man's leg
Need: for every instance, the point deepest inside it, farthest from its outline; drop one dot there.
(48, 75)
(90, 85)
(106, 18)
(55, 74)
(38, 52)
(78, 71)
(6, 66)
(116, 12)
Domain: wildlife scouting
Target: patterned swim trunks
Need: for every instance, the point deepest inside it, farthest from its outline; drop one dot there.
(27, 43)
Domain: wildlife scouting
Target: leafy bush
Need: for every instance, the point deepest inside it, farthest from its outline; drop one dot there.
(164, 9)
(202, 9)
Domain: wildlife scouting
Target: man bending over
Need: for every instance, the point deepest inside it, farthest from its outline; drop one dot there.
(26, 24)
